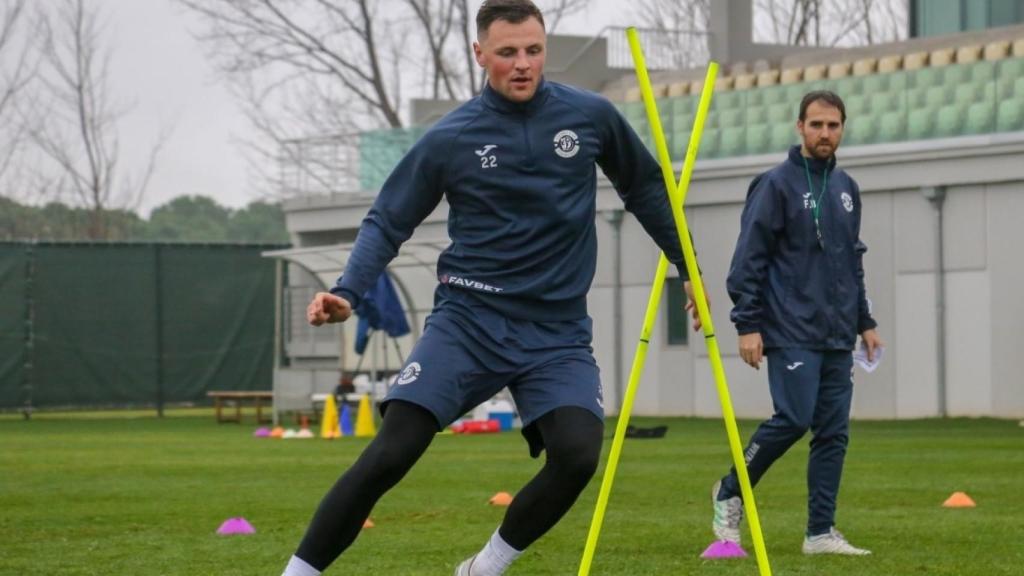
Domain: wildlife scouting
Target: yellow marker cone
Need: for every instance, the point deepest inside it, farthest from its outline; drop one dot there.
(329, 425)
(364, 419)
(959, 500)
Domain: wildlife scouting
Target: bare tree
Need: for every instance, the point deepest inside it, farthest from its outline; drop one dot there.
(832, 23)
(795, 22)
(309, 71)
(556, 11)
(79, 131)
(17, 68)
(679, 29)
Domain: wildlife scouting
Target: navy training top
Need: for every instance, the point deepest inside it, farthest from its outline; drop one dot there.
(521, 183)
(793, 290)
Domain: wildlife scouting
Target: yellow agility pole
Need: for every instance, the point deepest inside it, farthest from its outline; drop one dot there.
(641, 351)
(677, 197)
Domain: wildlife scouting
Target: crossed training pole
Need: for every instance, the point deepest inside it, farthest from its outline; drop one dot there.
(677, 197)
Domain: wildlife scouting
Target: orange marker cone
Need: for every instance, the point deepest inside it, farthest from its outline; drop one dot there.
(500, 499)
(368, 523)
(959, 500)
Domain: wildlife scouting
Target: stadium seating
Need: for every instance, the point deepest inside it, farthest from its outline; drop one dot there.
(942, 93)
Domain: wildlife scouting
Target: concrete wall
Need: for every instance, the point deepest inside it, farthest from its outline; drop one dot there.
(983, 270)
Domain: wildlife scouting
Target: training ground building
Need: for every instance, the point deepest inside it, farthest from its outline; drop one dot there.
(934, 137)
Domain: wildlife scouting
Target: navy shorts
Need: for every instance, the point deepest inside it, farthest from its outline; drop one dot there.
(468, 352)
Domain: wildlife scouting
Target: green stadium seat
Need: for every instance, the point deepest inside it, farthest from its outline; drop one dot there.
(920, 123)
(634, 112)
(980, 118)
(728, 100)
(758, 138)
(1007, 73)
(795, 92)
(784, 112)
(892, 127)
(949, 120)
(733, 141)
(680, 141)
(956, 74)
(898, 81)
(875, 83)
(936, 96)
(730, 118)
(1011, 68)
(846, 87)
(1010, 116)
(682, 123)
(746, 96)
(783, 136)
(757, 115)
(915, 97)
(860, 130)
(1018, 87)
(967, 93)
(926, 78)
(765, 96)
(989, 91)
(883, 102)
(683, 105)
(857, 104)
(770, 95)
(709, 144)
(983, 71)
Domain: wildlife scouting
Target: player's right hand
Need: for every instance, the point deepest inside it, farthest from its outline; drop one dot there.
(327, 308)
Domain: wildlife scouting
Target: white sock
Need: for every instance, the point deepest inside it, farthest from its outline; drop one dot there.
(298, 567)
(496, 556)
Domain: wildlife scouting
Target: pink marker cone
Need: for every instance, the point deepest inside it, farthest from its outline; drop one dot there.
(723, 549)
(236, 526)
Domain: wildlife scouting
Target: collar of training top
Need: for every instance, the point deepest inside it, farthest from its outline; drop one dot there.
(816, 166)
(495, 100)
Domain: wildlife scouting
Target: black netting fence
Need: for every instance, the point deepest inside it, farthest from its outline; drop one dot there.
(132, 324)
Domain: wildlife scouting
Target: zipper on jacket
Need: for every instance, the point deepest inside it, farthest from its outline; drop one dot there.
(526, 141)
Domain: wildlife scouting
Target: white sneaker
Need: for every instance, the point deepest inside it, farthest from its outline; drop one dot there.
(463, 569)
(728, 515)
(832, 543)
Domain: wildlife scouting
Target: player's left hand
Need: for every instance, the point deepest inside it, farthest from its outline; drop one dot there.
(691, 304)
(872, 342)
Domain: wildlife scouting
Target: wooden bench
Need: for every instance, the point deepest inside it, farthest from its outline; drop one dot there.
(239, 397)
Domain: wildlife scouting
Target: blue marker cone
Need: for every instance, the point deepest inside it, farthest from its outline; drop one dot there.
(345, 421)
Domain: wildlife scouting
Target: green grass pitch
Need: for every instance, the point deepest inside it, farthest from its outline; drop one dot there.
(111, 494)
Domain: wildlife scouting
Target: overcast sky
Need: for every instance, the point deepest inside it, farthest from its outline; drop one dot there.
(161, 72)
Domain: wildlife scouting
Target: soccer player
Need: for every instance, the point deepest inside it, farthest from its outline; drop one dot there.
(797, 283)
(517, 167)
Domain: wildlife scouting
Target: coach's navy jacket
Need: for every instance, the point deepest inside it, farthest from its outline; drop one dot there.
(521, 183)
(782, 282)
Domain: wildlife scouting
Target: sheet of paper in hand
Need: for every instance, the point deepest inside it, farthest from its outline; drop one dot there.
(860, 356)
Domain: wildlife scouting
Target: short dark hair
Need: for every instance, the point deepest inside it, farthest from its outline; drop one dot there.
(511, 11)
(828, 97)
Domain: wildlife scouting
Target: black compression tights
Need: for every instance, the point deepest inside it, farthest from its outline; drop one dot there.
(572, 438)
